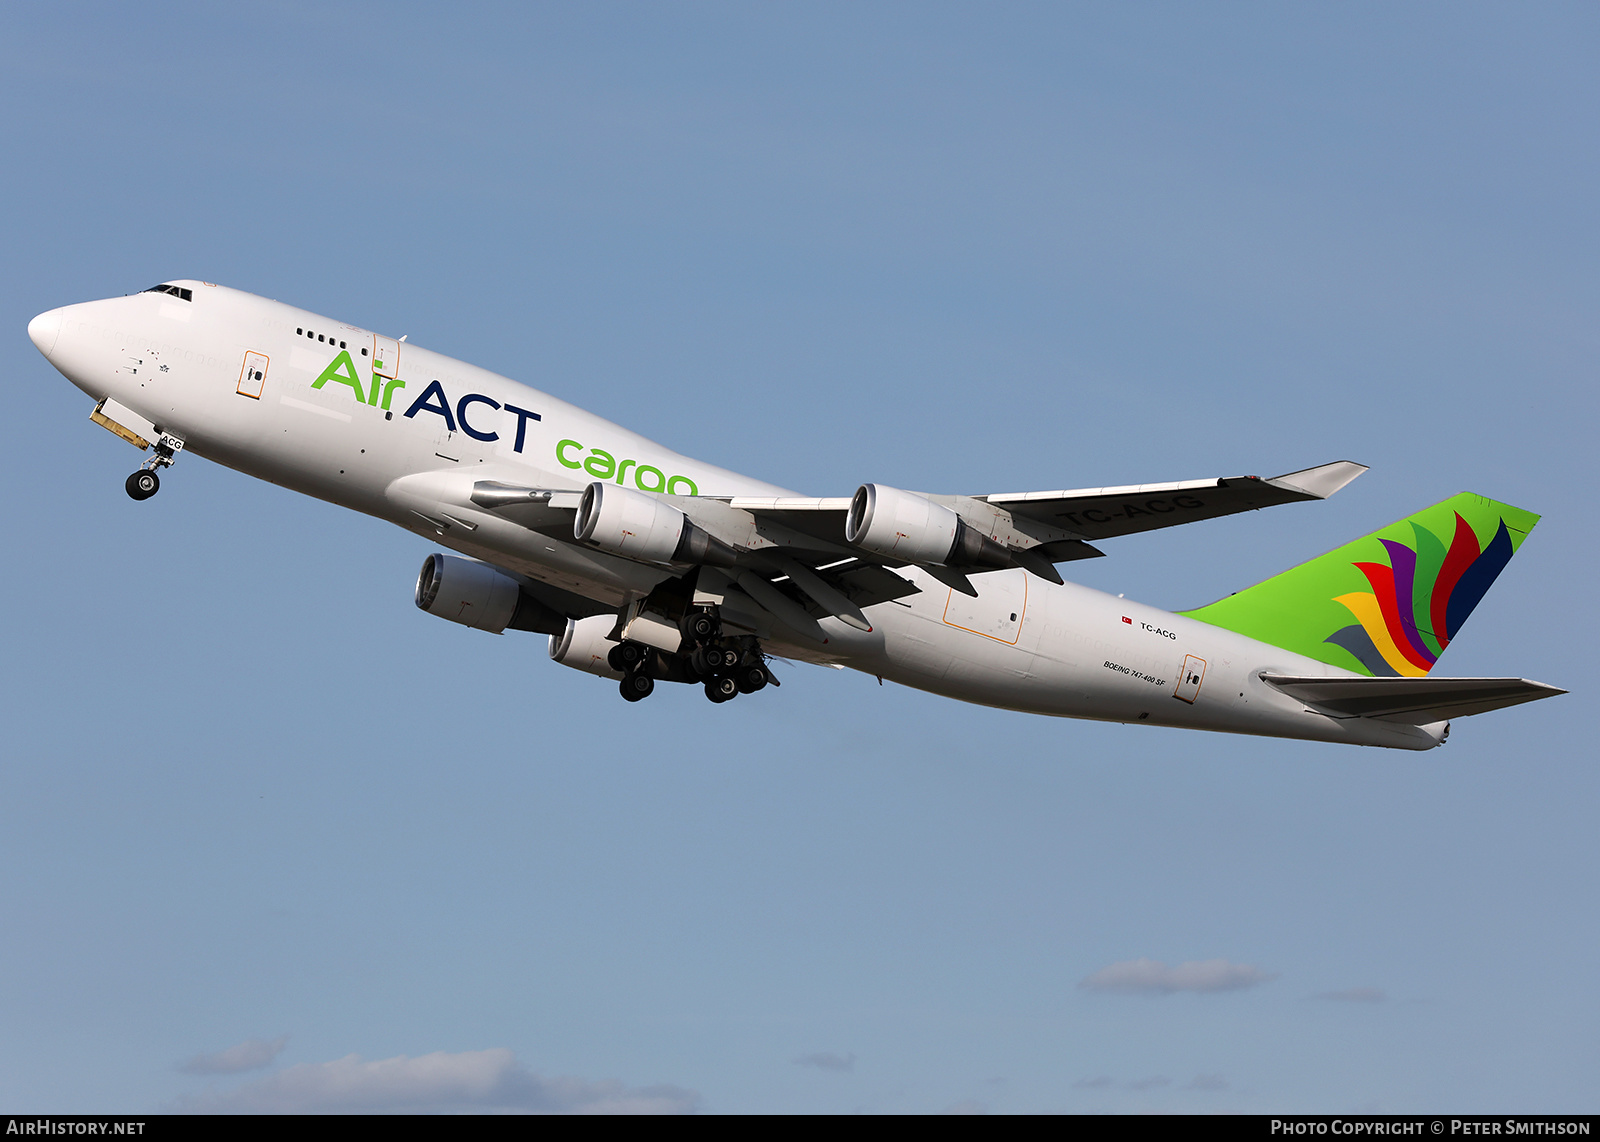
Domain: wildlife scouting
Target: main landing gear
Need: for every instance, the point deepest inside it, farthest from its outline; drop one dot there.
(145, 483)
(727, 666)
(637, 685)
(634, 660)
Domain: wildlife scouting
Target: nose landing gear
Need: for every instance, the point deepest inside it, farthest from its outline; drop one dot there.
(145, 483)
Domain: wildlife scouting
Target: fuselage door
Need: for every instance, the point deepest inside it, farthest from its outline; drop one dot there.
(997, 611)
(386, 357)
(253, 376)
(1194, 673)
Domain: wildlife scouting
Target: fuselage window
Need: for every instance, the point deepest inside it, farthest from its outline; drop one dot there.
(320, 337)
(341, 344)
(299, 332)
(363, 352)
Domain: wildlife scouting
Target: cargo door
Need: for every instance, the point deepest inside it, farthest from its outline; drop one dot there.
(252, 375)
(997, 611)
(1194, 673)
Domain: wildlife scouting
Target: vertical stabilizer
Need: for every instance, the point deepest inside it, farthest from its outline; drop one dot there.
(1389, 603)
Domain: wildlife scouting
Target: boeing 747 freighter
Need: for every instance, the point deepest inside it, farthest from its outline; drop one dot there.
(646, 566)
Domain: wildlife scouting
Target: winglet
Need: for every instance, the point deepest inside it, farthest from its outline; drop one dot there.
(1321, 481)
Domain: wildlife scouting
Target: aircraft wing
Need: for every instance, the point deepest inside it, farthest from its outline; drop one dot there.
(791, 553)
(792, 571)
(1414, 700)
(1058, 523)
(1101, 513)
(1089, 513)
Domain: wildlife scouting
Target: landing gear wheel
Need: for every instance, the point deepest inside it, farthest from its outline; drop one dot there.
(143, 484)
(751, 678)
(625, 656)
(700, 626)
(722, 688)
(709, 660)
(636, 687)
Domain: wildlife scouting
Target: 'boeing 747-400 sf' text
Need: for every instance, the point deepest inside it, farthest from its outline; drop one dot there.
(646, 566)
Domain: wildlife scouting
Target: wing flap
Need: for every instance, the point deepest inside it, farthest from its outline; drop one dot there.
(865, 584)
(1414, 700)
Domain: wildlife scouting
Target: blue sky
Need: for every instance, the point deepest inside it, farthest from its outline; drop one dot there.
(277, 840)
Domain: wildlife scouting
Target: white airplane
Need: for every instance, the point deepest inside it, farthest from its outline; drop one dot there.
(644, 565)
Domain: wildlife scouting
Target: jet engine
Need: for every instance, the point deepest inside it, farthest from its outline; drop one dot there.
(903, 525)
(583, 645)
(478, 596)
(642, 526)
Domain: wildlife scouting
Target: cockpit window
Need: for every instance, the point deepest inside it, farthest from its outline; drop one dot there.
(176, 291)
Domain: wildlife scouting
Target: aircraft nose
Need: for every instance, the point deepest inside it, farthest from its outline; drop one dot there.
(44, 329)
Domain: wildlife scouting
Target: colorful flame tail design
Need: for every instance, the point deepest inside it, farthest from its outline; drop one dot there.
(1408, 588)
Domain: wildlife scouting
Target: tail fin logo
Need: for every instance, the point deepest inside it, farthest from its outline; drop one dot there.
(1420, 598)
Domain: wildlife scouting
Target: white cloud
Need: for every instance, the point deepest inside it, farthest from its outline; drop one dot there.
(250, 1055)
(489, 1080)
(1151, 977)
(1150, 1083)
(827, 1061)
(1207, 1082)
(1356, 995)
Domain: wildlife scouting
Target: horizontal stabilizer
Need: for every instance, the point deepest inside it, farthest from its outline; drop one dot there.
(1414, 700)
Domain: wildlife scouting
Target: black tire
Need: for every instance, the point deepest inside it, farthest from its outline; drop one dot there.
(625, 656)
(636, 687)
(752, 678)
(721, 689)
(730, 659)
(143, 484)
(700, 626)
(698, 663)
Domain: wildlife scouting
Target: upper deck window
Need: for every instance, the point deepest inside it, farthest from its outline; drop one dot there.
(176, 291)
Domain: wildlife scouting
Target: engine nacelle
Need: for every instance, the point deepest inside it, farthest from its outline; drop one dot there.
(642, 526)
(477, 596)
(584, 645)
(635, 524)
(903, 525)
(467, 592)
